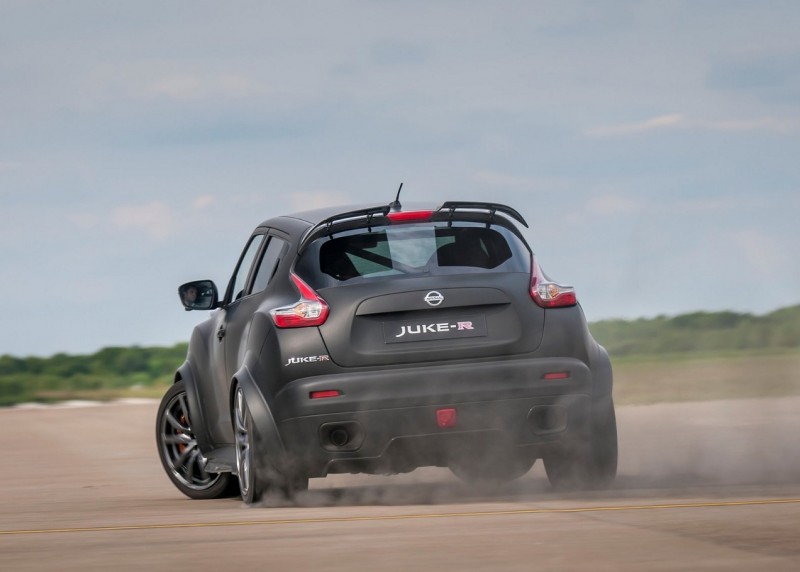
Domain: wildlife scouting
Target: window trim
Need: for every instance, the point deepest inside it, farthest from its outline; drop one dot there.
(246, 287)
(260, 259)
(306, 264)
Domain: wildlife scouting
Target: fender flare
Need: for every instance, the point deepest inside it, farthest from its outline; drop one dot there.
(199, 427)
(602, 373)
(264, 425)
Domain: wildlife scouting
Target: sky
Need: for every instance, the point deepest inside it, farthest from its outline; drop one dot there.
(653, 146)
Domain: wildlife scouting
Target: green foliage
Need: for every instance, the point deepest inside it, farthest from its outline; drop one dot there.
(109, 371)
(117, 371)
(701, 332)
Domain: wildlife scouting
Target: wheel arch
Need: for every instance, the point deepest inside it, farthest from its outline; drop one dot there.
(602, 374)
(185, 374)
(266, 429)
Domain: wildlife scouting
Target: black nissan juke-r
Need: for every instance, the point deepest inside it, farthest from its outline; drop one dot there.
(380, 339)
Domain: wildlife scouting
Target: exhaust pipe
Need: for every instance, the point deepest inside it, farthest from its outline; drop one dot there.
(339, 437)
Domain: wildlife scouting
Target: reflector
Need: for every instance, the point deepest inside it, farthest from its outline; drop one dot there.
(325, 393)
(446, 417)
(556, 375)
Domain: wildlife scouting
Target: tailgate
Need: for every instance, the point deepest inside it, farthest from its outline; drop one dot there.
(431, 319)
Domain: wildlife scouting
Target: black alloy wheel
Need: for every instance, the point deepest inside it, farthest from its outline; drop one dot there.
(258, 476)
(179, 452)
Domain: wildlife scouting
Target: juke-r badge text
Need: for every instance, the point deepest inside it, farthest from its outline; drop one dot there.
(307, 359)
(433, 328)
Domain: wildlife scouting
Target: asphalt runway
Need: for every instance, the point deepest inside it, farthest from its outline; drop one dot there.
(702, 486)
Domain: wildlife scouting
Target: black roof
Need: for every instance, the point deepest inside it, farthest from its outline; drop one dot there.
(325, 221)
(316, 216)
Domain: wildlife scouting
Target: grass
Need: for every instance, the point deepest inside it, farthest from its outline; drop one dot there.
(702, 378)
(637, 379)
(107, 394)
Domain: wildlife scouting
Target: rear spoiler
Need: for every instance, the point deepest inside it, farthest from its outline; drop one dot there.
(377, 216)
(452, 206)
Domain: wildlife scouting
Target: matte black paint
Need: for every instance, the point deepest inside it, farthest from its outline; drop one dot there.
(391, 391)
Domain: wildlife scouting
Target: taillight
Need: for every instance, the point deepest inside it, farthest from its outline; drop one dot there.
(409, 216)
(549, 294)
(309, 310)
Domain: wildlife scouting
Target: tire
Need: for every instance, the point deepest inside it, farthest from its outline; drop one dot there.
(257, 473)
(179, 453)
(481, 473)
(591, 465)
(486, 460)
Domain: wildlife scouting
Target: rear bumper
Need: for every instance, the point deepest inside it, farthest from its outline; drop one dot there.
(386, 421)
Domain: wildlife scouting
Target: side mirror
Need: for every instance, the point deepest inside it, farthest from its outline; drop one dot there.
(198, 295)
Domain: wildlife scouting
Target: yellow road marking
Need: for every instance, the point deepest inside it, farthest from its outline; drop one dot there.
(403, 516)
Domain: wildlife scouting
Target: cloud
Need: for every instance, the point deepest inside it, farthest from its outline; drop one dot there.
(608, 204)
(767, 124)
(305, 200)
(6, 166)
(192, 87)
(706, 205)
(612, 205)
(154, 219)
(499, 179)
(392, 53)
(203, 201)
(84, 220)
(765, 254)
(496, 179)
(652, 124)
(773, 77)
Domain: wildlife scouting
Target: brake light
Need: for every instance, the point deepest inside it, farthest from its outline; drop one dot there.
(324, 394)
(549, 294)
(309, 310)
(409, 216)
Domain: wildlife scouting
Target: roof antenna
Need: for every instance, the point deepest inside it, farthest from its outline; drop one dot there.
(396, 206)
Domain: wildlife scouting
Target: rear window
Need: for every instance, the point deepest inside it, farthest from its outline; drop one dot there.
(409, 250)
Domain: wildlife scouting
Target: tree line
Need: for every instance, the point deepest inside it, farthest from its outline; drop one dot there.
(701, 332)
(115, 371)
(110, 372)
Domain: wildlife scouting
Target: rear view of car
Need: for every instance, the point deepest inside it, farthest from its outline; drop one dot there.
(392, 339)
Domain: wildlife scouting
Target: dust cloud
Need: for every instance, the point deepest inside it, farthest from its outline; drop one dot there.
(698, 448)
(671, 449)
(728, 442)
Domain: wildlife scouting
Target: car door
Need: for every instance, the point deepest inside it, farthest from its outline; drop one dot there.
(241, 311)
(227, 331)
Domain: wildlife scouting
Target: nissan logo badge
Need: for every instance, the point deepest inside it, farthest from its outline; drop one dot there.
(434, 298)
